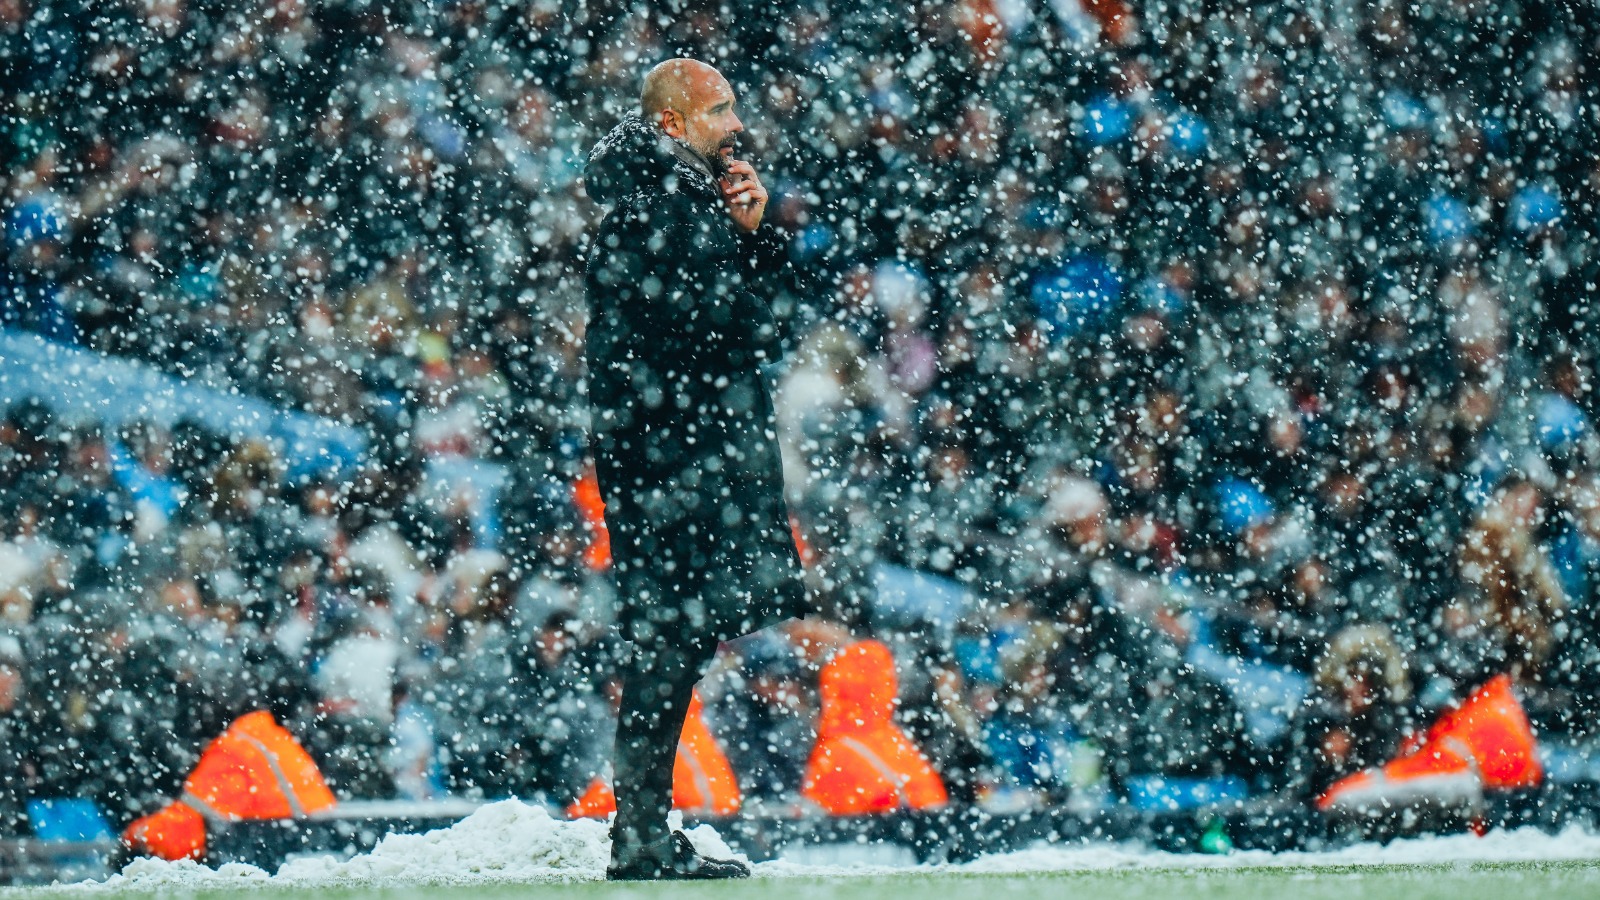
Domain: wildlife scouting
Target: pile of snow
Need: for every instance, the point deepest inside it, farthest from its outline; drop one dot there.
(511, 842)
(505, 842)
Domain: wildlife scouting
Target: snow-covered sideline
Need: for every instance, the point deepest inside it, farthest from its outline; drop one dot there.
(505, 842)
(1520, 845)
(512, 842)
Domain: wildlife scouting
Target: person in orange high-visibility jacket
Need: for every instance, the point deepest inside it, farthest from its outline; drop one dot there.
(863, 763)
(702, 780)
(1485, 743)
(254, 770)
(592, 512)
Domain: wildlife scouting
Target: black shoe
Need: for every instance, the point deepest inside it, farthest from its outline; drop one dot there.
(670, 859)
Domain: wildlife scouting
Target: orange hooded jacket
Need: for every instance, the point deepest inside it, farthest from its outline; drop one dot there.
(254, 770)
(863, 763)
(1486, 743)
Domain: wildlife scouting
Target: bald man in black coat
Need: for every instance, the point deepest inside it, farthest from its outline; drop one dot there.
(685, 440)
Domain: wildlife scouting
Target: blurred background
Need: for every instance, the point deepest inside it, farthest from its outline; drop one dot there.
(1189, 390)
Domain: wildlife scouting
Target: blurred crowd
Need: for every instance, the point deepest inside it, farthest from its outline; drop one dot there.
(1228, 363)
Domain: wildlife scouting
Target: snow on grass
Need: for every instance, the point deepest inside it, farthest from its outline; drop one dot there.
(1520, 845)
(507, 842)
(513, 843)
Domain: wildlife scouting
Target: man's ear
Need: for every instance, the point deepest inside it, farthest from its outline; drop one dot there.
(672, 124)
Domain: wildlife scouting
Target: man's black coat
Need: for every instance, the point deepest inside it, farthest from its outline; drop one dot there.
(685, 441)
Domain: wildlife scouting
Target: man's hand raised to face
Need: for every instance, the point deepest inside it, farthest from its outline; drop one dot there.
(744, 195)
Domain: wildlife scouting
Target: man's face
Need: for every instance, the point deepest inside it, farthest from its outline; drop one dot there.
(709, 124)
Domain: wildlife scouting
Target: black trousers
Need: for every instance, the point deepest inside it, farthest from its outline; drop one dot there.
(658, 682)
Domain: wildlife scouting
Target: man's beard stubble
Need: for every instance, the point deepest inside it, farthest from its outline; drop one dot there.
(715, 159)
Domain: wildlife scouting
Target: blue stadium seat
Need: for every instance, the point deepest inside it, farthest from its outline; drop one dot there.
(68, 819)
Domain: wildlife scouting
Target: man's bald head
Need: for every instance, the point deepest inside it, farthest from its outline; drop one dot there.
(692, 102)
(677, 84)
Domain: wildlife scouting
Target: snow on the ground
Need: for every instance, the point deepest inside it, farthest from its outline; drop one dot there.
(505, 842)
(1520, 845)
(512, 842)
